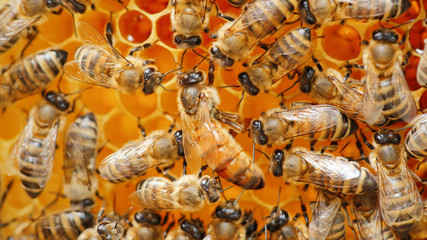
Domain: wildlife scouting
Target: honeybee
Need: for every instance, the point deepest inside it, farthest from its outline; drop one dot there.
(33, 154)
(386, 90)
(287, 53)
(63, 225)
(30, 75)
(99, 63)
(400, 201)
(189, 229)
(327, 221)
(415, 141)
(327, 88)
(323, 11)
(250, 225)
(227, 222)
(237, 38)
(368, 220)
(204, 138)
(146, 225)
(187, 193)
(80, 182)
(325, 171)
(422, 67)
(188, 19)
(281, 227)
(321, 122)
(159, 150)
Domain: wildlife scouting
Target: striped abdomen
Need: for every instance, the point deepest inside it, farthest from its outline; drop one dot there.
(94, 63)
(370, 9)
(63, 225)
(396, 105)
(416, 142)
(10, 43)
(422, 68)
(31, 75)
(153, 195)
(226, 157)
(338, 227)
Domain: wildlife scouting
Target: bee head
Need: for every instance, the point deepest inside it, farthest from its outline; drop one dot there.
(228, 210)
(178, 139)
(219, 57)
(152, 79)
(276, 163)
(385, 136)
(187, 42)
(194, 227)
(211, 188)
(386, 35)
(148, 217)
(110, 230)
(58, 100)
(306, 15)
(247, 84)
(256, 129)
(306, 79)
(190, 78)
(278, 218)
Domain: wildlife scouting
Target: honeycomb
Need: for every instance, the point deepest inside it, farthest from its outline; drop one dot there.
(117, 114)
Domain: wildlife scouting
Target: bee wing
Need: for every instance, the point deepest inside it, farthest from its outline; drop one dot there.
(400, 87)
(286, 66)
(389, 203)
(420, 130)
(373, 102)
(324, 213)
(309, 119)
(121, 159)
(374, 8)
(351, 101)
(334, 168)
(368, 228)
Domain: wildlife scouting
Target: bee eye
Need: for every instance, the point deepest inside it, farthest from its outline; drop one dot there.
(379, 138)
(306, 79)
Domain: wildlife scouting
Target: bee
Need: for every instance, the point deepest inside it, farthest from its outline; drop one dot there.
(188, 19)
(422, 67)
(386, 90)
(323, 11)
(146, 225)
(159, 150)
(30, 75)
(400, 201)
(237, 38)
(368, 220)
(250, 224)
(415, 141)
(33, 154)
(204, 138)
(187, 193)
(190, 229)
(325, 171)
(321, 122)
(63, 225)
(287, 53)
(99, 63)
(80, 182)
(281, 227)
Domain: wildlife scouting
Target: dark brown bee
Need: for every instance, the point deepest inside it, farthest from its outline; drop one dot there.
(189, 229)
(145, 226)
(281, 227)
(227, 222)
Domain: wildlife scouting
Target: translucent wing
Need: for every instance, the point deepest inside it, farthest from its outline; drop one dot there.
(368, 228)
(391, 197)
(373, 102)
(351, 101)
(418, 133)
(400, 87)
(309, 119)
(324, 213)
(335, 169)
(422, 67)
(360, 9)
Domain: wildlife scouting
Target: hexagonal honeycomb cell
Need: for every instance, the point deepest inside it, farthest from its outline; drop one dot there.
(138, 22)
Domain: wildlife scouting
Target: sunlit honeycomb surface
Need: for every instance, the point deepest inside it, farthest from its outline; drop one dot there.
(117, 114)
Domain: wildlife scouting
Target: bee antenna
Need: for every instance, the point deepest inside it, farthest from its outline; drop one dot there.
(237, 199)
(263, 153)
(404, 128)
(278, 197)
(76, 92)
(222, 190)
(240, 100)
(402, 24)
(124, 215)
(168, 90)
(293, 85)
(171, 71)
(59, 82)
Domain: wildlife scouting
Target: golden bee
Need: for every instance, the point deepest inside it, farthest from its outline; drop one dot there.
(323, 11)
(416, 139)
(287, 53)
(188, 19)
(321, 122)
(204, 137)
(187, 193)
(189, 229)
(386, 91)
(159, 150)
(422, 67)
(400, 202)
(325, 171)
(100, 64)
(30, 75)
(260, 18)
(145, 225)
(33, 154)
(80, 182)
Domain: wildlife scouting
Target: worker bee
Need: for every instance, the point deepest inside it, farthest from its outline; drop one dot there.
(250, 224)
(204, 138)
(415, 141)
(80, 182)
(323, 11)
(321, 122)
(188, 19)
(237, 38)
(33, 154)
(159, 150)
(63, 225)
(146, 225)
(325, 171)
(287, 53)
(422, 67)
(400, 201)
(368, 220)
(189, 229)
(187, 193)
(99, 63)
(327, 221)
(30, 75)
(281, 227)
(386, 90)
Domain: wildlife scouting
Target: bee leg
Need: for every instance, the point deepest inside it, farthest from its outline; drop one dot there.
(312, 143)
(204, 167)
(165, 219)
(292, 74)
(184, 167)
(122, 3)
(170, 226)
(57, 12)
(316, 61)
(305, 187)
(141, 128)
(73, 106)
(109, 30)
(142, 47)
(265, 46)
(220, 14)
(304, 212)
(407, 56)
(365, 141)
(169, 176)
(102, 146)
(32, 33)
